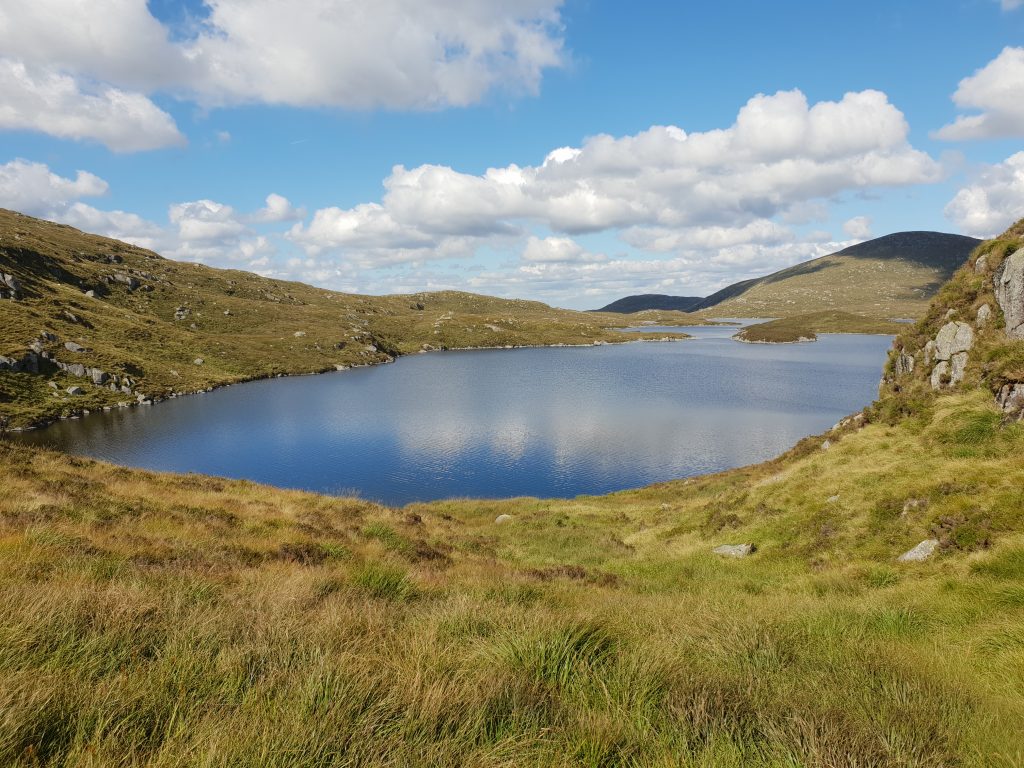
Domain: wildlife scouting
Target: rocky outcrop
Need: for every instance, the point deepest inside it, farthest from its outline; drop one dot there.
(984, 316)
(1009, 287)
(734, 550)
(127, 280)
(952, 345)
(922, 551)
(904, 363)
(10, 288)
(1011, 400)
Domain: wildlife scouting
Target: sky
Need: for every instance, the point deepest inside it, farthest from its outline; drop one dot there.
(572, 152)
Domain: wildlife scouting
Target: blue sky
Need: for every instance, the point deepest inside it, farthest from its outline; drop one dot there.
(184, 117)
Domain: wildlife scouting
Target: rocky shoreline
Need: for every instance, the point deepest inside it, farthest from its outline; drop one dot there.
(34, 364)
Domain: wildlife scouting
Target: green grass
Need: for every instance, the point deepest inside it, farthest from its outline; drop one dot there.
(150, 619)
(883, 280)
(806, 327)
(163, 620)
(241, 325)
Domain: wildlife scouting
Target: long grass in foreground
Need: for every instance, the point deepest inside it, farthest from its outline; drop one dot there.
(165, 620)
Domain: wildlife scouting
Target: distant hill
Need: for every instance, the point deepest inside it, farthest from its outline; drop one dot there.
(645, 301)
(87, 322)
(891, 276)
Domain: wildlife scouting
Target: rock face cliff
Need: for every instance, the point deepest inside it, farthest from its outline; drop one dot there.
(971, 333)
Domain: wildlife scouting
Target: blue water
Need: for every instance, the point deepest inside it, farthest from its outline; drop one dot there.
(499, 423)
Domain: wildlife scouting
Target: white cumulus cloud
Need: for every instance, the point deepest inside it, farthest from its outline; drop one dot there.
(859, 227)
(279, 208)
(992, 201)
(80, 70)
(57, 104)
(33, 188)
(996, 91)
(557, 250)
(666, 188)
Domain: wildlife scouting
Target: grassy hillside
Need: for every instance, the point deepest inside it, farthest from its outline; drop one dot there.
(657, 301)
(151, 619)
(889, 277)
(160, 620)
(158, 327)
(798, 328)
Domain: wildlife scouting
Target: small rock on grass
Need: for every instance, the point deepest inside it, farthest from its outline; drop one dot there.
(503, 519)
(922, 551)
(735, 550)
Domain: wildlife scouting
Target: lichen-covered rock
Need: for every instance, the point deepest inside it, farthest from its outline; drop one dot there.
(929, 352)
(1011, 400)
(957, 368)
(952, 339)
(1009, 287)
(922, 551)
(735, 550)
(127, 280)
(952, 344)
(904, 364)
(10, 288)
(984, 316)
(71, 346)
(940, 374)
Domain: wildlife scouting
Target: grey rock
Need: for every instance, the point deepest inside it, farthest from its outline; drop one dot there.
(91, 294)
(127, 280)
(99, 378)
(503, 519)
(957, 368)
(47, 336)
(981, 265)
(1011, 400)
(10, 288)
(904, 364)
(952, 339)
(1009, 286)
(922, 551)
(735, 550)
(952, 344)
(71, 346)
(198, 361)
(984, 316)
(75, 391)
(181, 313)
(299, 334)
(826, 445)
(929, 352)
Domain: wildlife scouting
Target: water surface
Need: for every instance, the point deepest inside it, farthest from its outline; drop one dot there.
(498, 423)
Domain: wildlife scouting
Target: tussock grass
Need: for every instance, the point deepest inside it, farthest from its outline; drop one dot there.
(156, 620)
